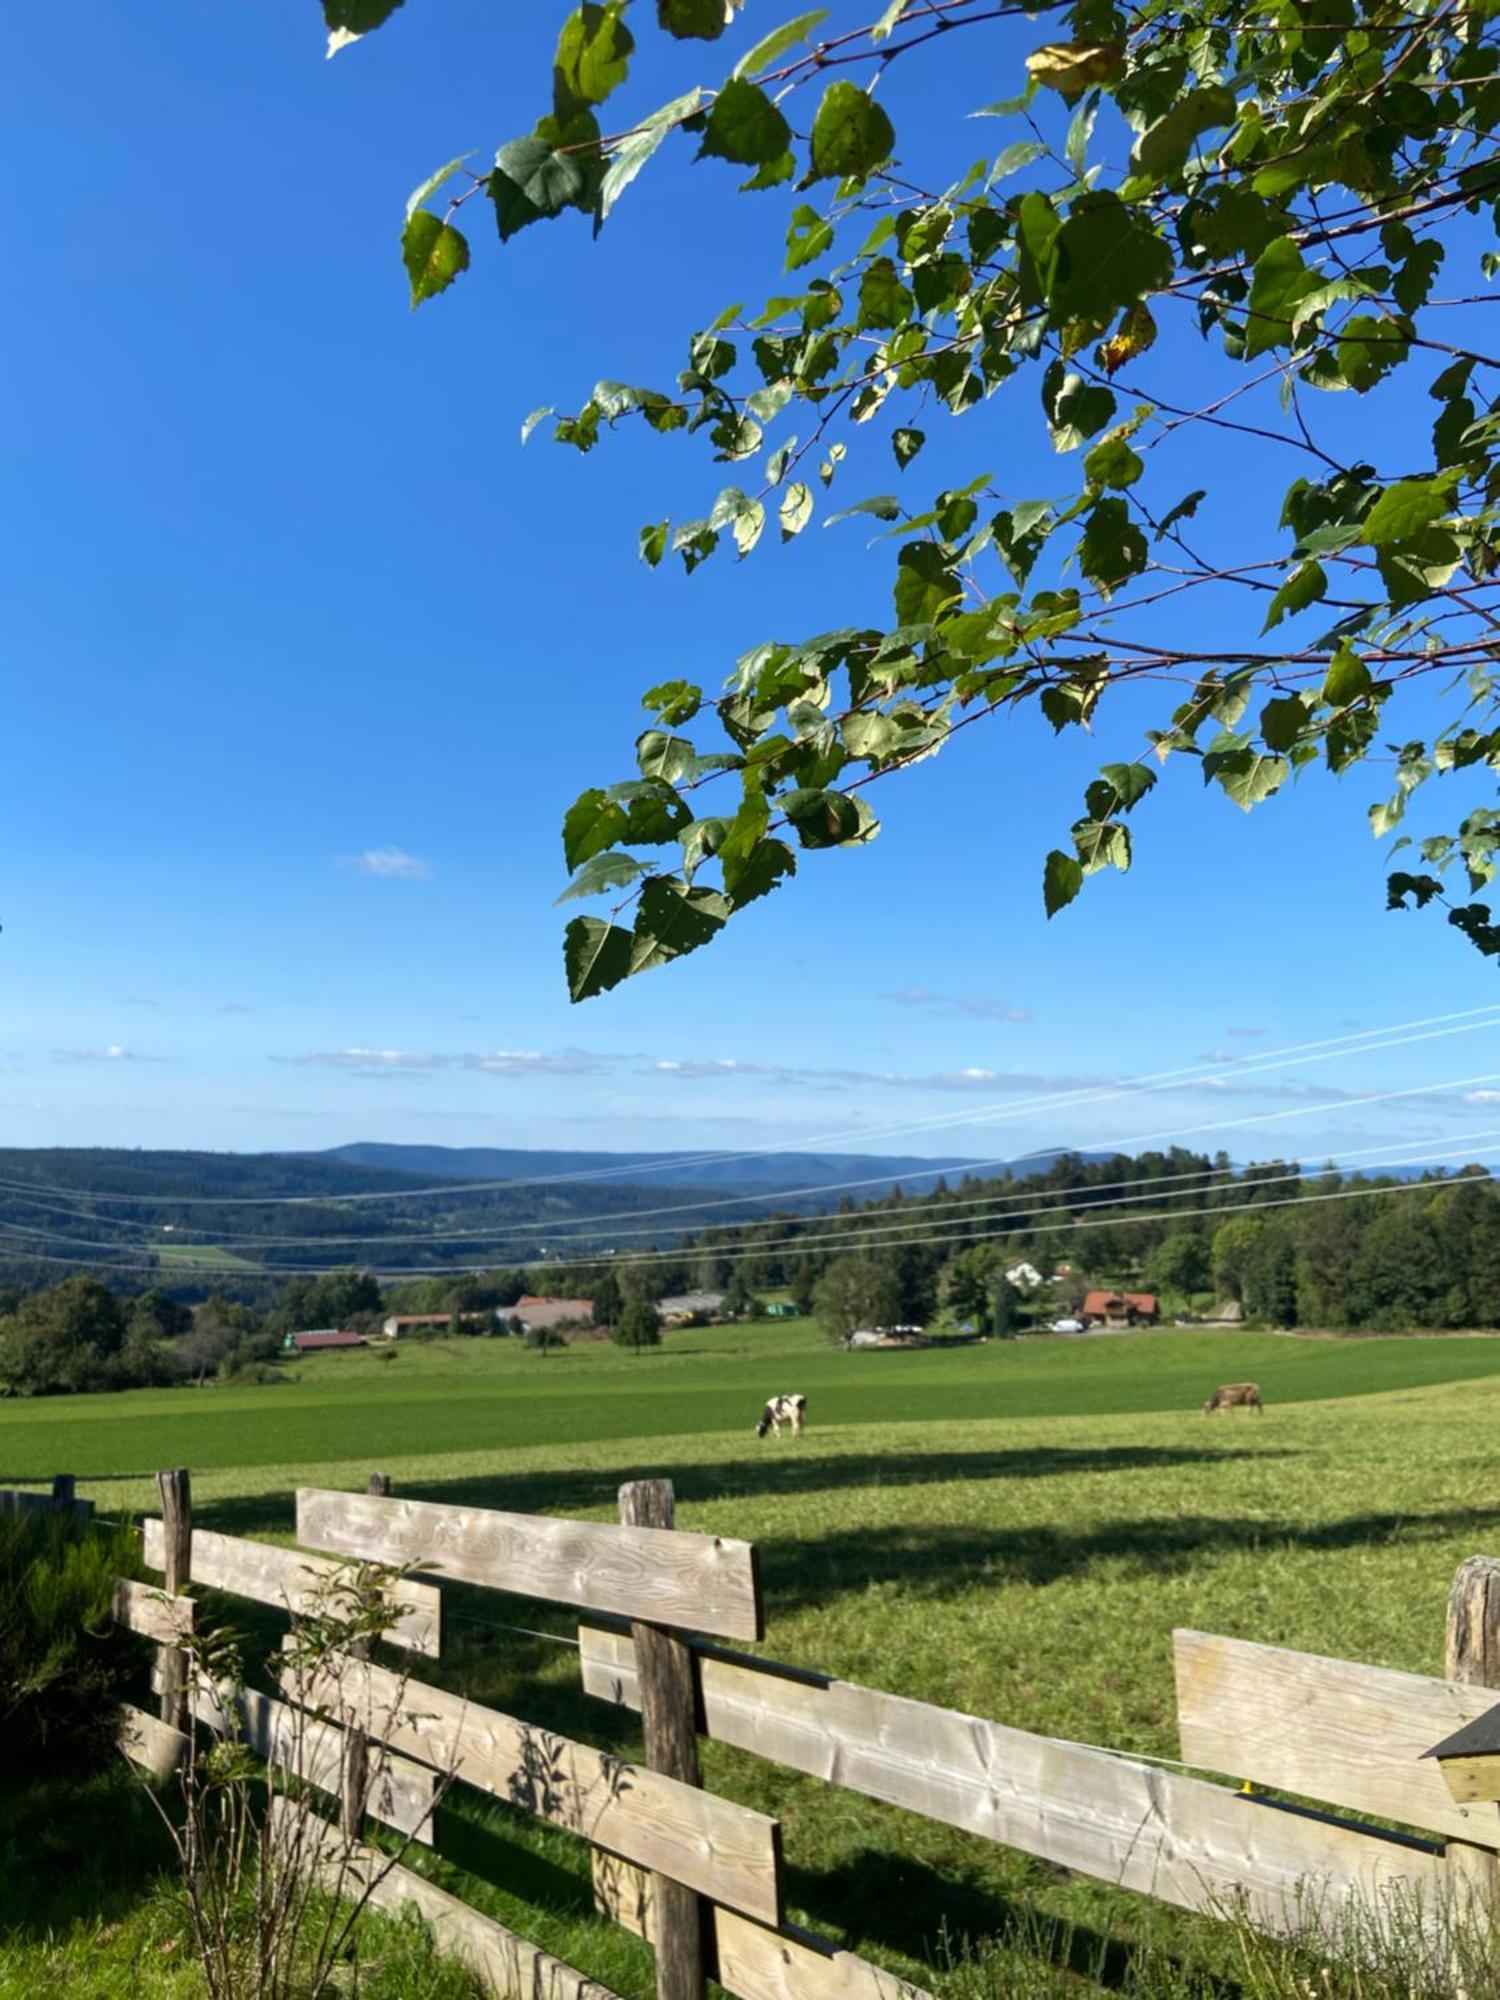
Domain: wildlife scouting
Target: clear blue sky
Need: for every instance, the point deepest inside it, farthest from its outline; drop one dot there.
(308, 656)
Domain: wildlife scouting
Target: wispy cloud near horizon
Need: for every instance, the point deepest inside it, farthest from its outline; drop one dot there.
(391, 864)
(977, 1006)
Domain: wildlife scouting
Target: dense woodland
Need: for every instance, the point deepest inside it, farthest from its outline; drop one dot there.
(1291, 1247)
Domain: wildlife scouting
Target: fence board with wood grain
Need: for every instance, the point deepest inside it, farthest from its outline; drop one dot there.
(702, 1582)
(293, 1582)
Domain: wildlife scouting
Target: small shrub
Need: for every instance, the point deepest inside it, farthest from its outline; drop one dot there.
(64, 1668)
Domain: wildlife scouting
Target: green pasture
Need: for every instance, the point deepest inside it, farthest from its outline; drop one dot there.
(1013, 1530)
(422, 1400)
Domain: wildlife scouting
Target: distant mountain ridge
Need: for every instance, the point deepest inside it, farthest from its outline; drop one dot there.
(763, 1172)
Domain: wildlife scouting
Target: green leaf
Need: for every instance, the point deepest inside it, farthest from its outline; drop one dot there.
(1162, 148)
(1113, 548)
(809, 236)
(851, 134)
(744, 126)
(695, 20)
(1280, 281)
(796, 510)
(593, 55)
(1405, 509)
(906, 443)
(1111, 462)
(1062, 878)
(823, 818)
(592, 823)
(660, 755)
(433, 182)
(636, 148)
(1071, 68)
(1105, 257)
(1183, 511)
(1348, 677)
(1075, 409)
(434, 253)
(884, 506)
(889, 20)
(1306, 585)
(1282, 721)
(347, 20)
(1014, 158)
(779, 41)
(532, 180)
(756, 872)
(654, 542)
(1369, 346)
(601, 872)
(925, 585)
(535, 417)
(596, 955)
(671, 919)
(883, 300)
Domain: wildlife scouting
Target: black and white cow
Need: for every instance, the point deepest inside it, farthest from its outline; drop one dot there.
(783, 1410)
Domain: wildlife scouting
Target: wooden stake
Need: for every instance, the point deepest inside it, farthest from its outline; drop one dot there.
(175, 1489)
(355, 1789)
(62, 1492)
(669, 1721)
(1472, 1649)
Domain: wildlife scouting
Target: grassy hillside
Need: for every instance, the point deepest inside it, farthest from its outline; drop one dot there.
(468, 1396)
(1013, 1530)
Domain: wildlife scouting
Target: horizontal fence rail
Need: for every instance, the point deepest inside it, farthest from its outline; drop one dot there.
(293, 1582)
(703, 1582)
(1351, 1735)
(1172, 1837)
(724, 1850)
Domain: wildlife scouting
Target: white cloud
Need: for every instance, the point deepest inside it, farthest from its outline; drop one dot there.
(235, 1007)
(391, 864)
(113, 1053)
(421, 1062)
(977, 1006)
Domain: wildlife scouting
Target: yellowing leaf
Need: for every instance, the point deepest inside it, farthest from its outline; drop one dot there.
(1071, 68)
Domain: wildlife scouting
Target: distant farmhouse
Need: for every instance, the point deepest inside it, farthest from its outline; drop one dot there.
(1119, 1309)
(397, 1325)
(684, 1307)
(529, 1312)
(317, 1338)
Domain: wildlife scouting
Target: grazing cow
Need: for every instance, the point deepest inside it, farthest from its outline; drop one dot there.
(782, 1410)
(1235, 1395)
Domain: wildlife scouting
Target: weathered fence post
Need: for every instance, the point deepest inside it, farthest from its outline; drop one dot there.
(63, 1492)
(1472, 1649)
(670, 1726)
(355, 1790)
(175, 1489)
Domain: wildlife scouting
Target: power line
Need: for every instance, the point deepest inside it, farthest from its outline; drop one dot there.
(1253, 1064)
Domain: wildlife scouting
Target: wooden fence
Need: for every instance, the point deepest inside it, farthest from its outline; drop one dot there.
(700, 1876)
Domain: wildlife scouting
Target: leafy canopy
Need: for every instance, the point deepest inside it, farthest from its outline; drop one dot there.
(1307, 187)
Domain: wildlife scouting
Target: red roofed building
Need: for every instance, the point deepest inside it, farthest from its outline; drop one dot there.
(1119, 1309)
(314, 1342)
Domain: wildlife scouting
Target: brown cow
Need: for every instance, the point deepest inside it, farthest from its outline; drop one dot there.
(1235, 1395)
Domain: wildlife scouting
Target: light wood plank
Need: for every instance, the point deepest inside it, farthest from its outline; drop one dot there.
(702, 1582)
(153, 1744)
(721, 1849)
(754, 1962)
(506, 1966)
(1176, 1838)
(142, 1608)
(296, 1582)
(401, 1793)
(1351, 1735)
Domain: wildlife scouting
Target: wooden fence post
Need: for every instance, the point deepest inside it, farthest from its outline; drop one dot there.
(670, 1726)
(175, 1489)
(1472, 1649)
(63, 1492)
(355, 1788)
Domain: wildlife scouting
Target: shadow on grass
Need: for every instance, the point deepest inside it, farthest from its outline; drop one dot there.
(778, 1470)
(889, 1901)
(78, 1852)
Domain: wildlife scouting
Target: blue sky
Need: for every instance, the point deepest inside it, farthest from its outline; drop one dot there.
(308, 656)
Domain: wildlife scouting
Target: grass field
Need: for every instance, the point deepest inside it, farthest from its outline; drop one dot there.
(1011, 1529)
